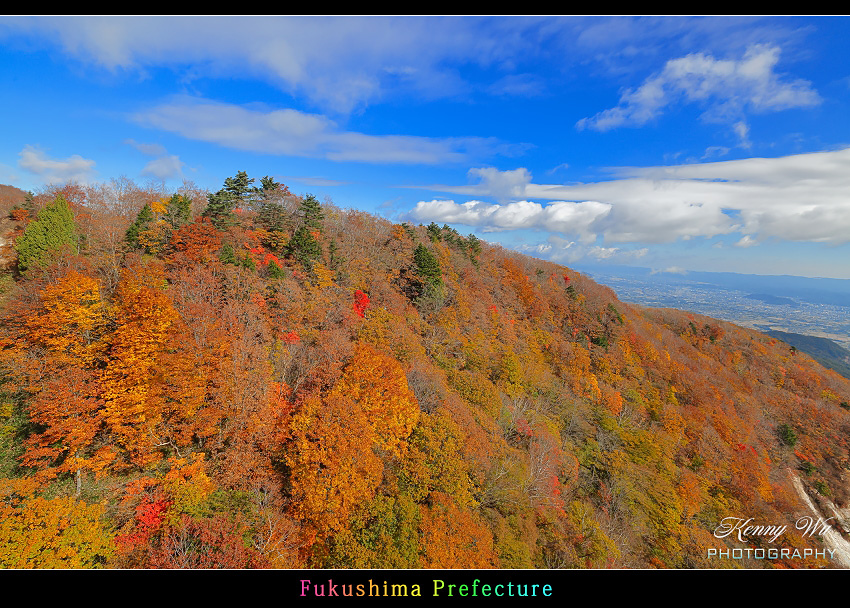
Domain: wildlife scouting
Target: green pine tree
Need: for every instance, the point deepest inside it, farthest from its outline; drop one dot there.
(178, 211)
(311, 213)
(237, 191)
(473, 247)
(275, 271)
(304, 247)
(143, 220)
(268, 184)
(53, 229)
(273, 217)
(335, 259)
(248, 262)
(427, 265)
(227, 255)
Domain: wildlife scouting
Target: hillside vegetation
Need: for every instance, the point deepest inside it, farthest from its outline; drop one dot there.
(823, 350)
(251, 378)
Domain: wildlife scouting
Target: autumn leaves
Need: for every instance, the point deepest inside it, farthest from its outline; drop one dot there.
(334, 465)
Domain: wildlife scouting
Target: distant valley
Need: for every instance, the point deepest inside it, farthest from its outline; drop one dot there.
(811, 314)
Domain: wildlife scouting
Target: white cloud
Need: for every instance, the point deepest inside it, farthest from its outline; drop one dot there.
(74, 168)
(147, 149)
(566, 251)
(322, 182)
(164, 167)
(715, 151)
(502, 185)
(671, 270)
(801, 197)
(293, 133)
(8, 175)
(726, 88)
(746, 241)
(574, 218)
(742, 130)
(339, 63)
(520, 85)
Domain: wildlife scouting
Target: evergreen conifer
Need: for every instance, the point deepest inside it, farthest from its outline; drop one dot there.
(51, 230)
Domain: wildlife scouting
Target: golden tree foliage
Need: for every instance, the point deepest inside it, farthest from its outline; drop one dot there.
(132, 380)
(454, 537)
(69, 410)
(377, 384)
(70, 320)
(62, 532)
(333, 467)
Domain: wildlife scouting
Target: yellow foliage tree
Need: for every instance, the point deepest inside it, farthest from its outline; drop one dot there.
(37, 532)
(70, 320)
(377, 384)
(132, 387)
(333, 467)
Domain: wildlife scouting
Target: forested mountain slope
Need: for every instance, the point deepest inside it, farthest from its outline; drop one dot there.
(255, 379)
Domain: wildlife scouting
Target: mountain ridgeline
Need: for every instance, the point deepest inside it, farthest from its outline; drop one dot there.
(251, 378)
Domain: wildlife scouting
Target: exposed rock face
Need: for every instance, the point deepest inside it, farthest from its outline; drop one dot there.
(9, 230)
(840, 522)
(10, 196)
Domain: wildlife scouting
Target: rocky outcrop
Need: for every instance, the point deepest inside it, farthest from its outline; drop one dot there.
(9, 230)
(841, 520)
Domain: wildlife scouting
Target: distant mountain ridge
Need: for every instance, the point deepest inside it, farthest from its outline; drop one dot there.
(769, 299)
(817, 290)
(823, 350)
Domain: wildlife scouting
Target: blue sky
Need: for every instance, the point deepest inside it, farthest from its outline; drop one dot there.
(674, 143)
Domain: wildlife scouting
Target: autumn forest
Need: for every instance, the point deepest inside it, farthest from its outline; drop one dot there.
(252, 378)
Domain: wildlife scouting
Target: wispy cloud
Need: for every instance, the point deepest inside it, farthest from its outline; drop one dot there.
(727, 90)
(314, 181)
(566, 251)
(340, 63)
(670, 270)
(74, 168)
(164, 166)
(290, 132)
(147, 149)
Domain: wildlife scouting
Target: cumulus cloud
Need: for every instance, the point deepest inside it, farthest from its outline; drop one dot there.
(746, 241)
(74, 168)
(293, 133)
(727, 88)
(575, 218)
(502, 185)
(801, 197)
